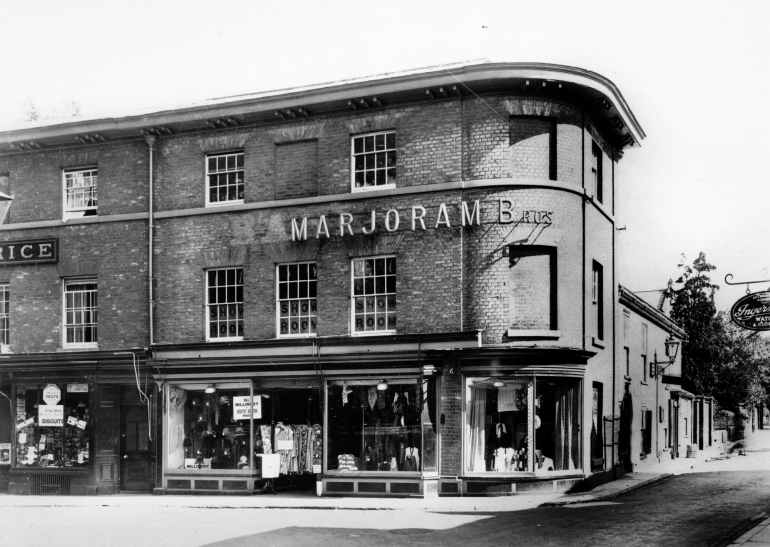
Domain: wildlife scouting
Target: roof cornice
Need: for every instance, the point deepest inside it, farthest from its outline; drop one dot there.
(470, 78)
(632, 301)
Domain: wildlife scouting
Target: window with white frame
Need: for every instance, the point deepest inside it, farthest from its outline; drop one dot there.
(224, 175)
(80, 193)
(374, 160)
(626, 322)
(5, 312)
(224, 304)
(374, 294)
(596, 172)
(597, 293)
(644, 351)
(297, 303)
(80, 312)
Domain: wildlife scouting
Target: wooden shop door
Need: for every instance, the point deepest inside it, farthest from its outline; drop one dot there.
(135, 449)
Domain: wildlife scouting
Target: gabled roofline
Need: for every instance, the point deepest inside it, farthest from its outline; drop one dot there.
(649, 312)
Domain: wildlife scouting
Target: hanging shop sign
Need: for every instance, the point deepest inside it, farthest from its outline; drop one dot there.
(50, 416)
(51, 394)
(416, 218)
(752, 312)
(241, 408)
(30, 251)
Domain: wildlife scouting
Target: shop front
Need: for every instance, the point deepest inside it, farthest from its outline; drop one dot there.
(522, 426)
(81, 432)
(358, 416)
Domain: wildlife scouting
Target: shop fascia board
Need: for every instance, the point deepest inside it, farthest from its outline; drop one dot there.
(467, 76)
(307, 347)
(543, 355)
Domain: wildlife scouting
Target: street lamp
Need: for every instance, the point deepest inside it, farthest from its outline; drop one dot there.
(672, 348)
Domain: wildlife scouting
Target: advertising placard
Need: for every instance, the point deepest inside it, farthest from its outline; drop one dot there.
(241, 407)
(5, 453)
(50, 416)
(77, 388)
(51, 394)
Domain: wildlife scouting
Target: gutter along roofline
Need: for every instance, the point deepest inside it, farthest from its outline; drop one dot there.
(467, 79)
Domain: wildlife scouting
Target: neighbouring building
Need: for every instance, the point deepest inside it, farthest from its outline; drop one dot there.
(399, 285)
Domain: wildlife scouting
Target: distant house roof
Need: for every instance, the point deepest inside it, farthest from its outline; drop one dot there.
(650, 304)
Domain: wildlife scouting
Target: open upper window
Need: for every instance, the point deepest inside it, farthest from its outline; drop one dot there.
(80, 193)
(373, 159)
(224, 178)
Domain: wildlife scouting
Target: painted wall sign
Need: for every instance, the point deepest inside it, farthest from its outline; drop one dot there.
(752, 312)
(241, 407)
(415, 218)
(31, 251)
(51, 394)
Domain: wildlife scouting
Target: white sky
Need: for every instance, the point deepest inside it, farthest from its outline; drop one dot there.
(696, 74)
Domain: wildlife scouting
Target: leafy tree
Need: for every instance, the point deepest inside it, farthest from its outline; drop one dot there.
(718, 358)
(693, 309)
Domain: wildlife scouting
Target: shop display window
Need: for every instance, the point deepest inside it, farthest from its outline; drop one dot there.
(497, 432)
(557, 424)
(376, 425)
(215, 431)
(210, 430)
(53, 425)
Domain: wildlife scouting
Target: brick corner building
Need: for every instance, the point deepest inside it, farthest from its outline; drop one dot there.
(401, 285)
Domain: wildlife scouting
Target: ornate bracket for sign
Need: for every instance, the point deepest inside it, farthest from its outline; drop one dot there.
(747, 283)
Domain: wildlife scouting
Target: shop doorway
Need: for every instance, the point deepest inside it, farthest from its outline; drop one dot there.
(626, 419)
(136, 462)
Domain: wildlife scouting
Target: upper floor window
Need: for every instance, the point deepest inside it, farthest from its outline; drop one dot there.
(532, 295)
(80, 198)
(374, 160)
(224, 304)
(596, 172)
(297, 303)
(644, 351)
(80, 313)
(5, 313)
(597, 292)
(224, 176)
(374, 294)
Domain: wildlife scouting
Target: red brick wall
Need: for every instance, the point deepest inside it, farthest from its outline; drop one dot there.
(296, 169)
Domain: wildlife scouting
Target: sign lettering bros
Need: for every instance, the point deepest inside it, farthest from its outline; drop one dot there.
(417, 216)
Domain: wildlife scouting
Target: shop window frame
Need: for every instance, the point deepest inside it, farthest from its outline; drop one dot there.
(73, 211)
(353, 295)
(239, 157)
(279, 300)
(94, 310)
(363, 153)
(532, 471)
(230, 384)
(356, 380)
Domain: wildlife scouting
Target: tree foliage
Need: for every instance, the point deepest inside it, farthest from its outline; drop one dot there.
(718, 358)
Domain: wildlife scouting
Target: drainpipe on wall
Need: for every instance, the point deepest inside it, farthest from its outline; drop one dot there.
(150, 142)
